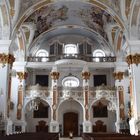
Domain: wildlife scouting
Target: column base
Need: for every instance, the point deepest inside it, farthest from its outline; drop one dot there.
(8, 126)
(133, 126)
(54, 127)
(20, 126)
(117, 124)
(87, 127)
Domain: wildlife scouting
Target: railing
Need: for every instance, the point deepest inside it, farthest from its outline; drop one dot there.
(74, 56)
(63, 92)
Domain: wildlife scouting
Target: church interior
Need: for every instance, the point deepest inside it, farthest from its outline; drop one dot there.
(70, 68)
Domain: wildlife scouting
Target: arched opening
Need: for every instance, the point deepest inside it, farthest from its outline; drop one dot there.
(103, 116)
(70, 123)
(38, 115)
(70, 117)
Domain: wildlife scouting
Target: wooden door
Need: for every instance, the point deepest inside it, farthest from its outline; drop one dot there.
(71, 123)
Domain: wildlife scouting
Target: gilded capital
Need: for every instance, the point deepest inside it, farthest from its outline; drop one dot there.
(133, 59)
(6, 59)
(22, 75)
(86, 75)
(55, 75)
(118, 75)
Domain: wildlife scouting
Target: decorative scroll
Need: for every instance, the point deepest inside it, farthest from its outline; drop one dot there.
(20, 102)
(121, 102)
(6, 59)
(118, 75)
(22, 75)
(133, 59)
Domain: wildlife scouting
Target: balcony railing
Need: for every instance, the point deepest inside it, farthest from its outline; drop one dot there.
(74, 56)
(39, 91)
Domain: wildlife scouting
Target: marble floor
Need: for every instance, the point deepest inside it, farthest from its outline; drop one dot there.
(75, 138)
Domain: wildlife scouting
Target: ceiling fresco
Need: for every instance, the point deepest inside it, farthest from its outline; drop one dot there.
(26, 4)
(113, 4)
(71, 13)
(48, 16)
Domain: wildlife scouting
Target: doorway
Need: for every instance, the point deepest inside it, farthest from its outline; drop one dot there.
(70, 121)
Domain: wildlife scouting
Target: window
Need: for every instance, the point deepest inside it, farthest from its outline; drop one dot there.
(42, 53)
(99, 80)
(42, 80)
(100, 111)
(98, 53)
(70, 49)
(42, 111)
(70, 81)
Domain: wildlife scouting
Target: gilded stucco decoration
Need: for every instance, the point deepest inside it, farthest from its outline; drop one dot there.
(86, 75)
(55, 75)
(6, 59)
(118, 75)
(22, 75)
(133, 59)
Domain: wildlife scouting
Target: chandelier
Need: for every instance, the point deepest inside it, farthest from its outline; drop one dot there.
(34, 104)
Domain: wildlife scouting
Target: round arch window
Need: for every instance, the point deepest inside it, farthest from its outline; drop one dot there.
(98, 53)
(42, 53)
(70, 81)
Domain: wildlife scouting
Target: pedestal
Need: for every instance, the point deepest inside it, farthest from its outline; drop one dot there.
(20, 126)
(9, 126)
(133, 128)
(117, 124)
(87, 127)
(54, 127)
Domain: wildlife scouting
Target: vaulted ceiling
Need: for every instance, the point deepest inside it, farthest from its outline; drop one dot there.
(106, 23)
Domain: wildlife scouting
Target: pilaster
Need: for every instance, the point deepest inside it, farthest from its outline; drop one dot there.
(54, 125)
(18, 93)
(122, 84)
(87, 126)
(6, 62)
(133, 60)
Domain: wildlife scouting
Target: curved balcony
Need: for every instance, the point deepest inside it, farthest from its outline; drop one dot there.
(86, 58)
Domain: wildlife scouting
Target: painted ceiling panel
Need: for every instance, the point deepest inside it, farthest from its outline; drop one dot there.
(71, 13)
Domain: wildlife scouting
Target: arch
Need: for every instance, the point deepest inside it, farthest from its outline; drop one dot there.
(70, 105)
(35, 122)
(109, 101)
(27, 102)
(43, 54)
(89, 31)
(98, 53)
(105, 115)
